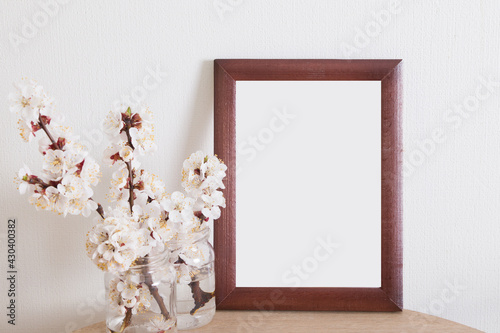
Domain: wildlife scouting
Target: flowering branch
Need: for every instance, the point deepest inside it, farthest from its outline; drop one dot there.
(154, 291)
(145, 222)
(149, 280)
(128, 163)
(55, 143)
(132, 135)
(128, 125)
(34, 180)
(68, 174)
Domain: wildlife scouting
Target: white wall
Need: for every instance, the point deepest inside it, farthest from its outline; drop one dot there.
(90, 53)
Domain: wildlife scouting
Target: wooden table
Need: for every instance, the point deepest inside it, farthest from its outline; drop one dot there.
(317, 322)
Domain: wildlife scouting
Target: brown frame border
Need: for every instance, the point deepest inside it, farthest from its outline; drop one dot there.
(387, 298)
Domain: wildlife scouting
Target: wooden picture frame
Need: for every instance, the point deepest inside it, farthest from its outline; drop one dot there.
(389, 297)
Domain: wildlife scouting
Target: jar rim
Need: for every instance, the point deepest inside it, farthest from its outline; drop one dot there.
(148, 260)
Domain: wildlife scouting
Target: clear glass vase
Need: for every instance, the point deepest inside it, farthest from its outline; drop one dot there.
(142, 299)
(193, 257)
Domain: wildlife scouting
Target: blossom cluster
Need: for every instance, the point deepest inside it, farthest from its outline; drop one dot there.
(131, 124)
(202, 177)
(129, 292)
(116, 242)
(146, 219)
(136, 227)
(68, 173)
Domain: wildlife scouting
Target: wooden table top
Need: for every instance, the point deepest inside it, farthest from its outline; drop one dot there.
(318, 322)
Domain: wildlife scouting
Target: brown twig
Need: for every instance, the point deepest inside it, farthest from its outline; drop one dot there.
(129, 165)
(154, 291)
(45, 129)
(130, 185)
(35, 180)
(127, 131)
(200, 297)
(99, 209)
(128, 316)
(147, 275)
(126, 321)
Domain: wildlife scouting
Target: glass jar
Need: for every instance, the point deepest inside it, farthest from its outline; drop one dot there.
(193, 257)
(142, 299)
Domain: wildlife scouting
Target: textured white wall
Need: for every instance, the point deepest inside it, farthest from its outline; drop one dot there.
(90, 53)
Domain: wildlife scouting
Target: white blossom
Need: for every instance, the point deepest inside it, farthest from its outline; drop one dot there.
(25, 130)
(214, 171)
(119, 195)
(114, 243)
(161, 232)
(116, 301)
(74, 187)
(54, 162)
(28, 100)
(90, 171)
(212, 202)
(40, 201)
(126, 153)
(183, 274)
(113, 124)
(201, 171)
(60, 162)
(144, 301)
(59, 201)
(81, 206)
(129, 288)
(22, 175)
(127, 292)
(112, 154)
(146, 210)
(120, 177)
(146, 117)
(153, 186)
(177, 206)
(143, 141)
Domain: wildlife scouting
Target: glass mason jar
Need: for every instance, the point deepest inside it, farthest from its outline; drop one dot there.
(193, 257)
(142, 299)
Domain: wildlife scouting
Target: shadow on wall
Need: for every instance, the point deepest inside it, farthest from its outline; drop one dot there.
(200, 125)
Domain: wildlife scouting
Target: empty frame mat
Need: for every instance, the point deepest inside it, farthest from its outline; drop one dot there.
(307, 156)
(313, 190)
